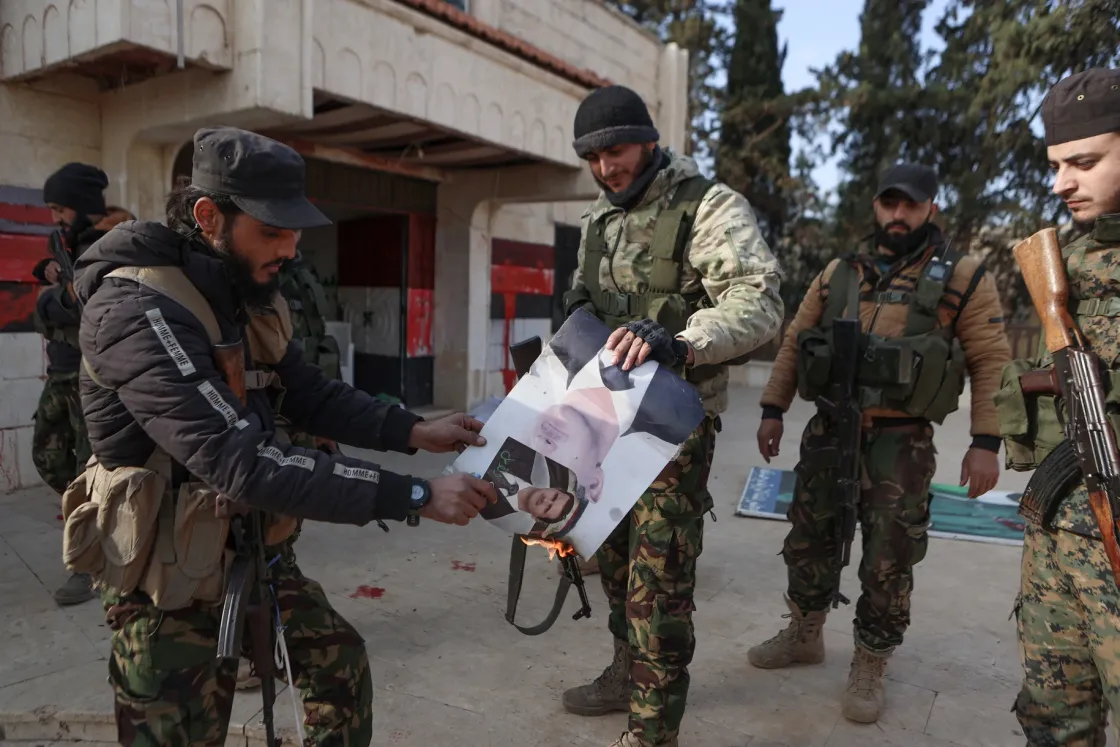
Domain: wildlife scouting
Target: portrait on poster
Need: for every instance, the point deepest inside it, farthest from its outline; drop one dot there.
(578, 440)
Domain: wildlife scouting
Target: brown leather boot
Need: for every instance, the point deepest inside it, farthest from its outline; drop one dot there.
(609, 692)
(864, 699)
(800, 643)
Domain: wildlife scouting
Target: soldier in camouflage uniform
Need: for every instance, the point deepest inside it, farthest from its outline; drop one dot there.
(1068, 607)
(676, 264)
(60, 446)
(941, 306)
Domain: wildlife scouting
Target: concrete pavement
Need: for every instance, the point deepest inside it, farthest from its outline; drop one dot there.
(448, 669)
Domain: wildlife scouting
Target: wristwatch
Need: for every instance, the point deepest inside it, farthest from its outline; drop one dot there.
(421, 494)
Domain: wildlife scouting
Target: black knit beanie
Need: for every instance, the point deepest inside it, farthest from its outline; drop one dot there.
(612, 116)
(79, 187)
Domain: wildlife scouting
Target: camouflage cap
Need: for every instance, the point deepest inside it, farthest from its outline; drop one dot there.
(1084, 105)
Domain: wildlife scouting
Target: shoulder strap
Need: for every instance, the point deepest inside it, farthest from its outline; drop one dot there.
(594, 249)
(842, 285)
(933, 279)
(672, 232)
(173, 283)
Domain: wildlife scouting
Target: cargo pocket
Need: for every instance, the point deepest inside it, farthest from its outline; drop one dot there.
(670, 635)
(916, 534)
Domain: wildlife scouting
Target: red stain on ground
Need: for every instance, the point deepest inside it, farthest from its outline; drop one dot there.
(457, 566)
(59, 517)
(368, 592)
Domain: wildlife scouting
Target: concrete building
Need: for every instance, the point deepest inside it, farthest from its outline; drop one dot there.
(437, 135)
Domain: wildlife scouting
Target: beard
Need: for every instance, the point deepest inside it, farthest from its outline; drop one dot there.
(252, 293)
(901, 244)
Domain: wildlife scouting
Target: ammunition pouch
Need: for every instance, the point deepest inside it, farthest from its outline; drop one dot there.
(131, 531)
(1028, 423)
(921, 376)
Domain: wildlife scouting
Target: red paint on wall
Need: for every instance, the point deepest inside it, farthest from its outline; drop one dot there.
(421, 251)
(19, 253)
(509, 252)
(508, 278)
(17, 306)
(34, 214)
(419, 342)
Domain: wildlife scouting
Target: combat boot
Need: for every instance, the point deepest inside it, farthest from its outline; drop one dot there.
(864, 699)
(629, 740)
(800, 643)
(609, 692)
(77, 589)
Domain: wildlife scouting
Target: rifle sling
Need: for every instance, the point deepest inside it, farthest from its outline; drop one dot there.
(516, 576)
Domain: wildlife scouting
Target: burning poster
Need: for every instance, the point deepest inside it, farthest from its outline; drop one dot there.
(578, 440)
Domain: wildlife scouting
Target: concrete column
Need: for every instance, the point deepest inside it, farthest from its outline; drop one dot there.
(673, 94)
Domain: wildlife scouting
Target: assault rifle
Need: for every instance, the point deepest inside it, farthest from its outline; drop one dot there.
(65, 262)
(248, 596)
(523, 354)
(1076, 378)
(841, 406)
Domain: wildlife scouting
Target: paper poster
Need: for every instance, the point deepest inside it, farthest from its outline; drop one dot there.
(993, 517)
(578, 440)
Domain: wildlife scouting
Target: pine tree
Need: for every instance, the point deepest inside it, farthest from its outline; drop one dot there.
(692, 25)
(876, 93)
(754, 140)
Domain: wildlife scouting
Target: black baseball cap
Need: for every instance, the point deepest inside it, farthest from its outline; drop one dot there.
(916, 181)
(264, 178)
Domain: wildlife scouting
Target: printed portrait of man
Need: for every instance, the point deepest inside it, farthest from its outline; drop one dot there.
(517, 472)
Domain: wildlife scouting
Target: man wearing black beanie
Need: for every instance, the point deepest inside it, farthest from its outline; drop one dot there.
(676, 265)
(60, 447)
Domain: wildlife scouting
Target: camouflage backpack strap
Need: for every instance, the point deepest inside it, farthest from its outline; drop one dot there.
(672, 233)
(932, 281)
(310, 287)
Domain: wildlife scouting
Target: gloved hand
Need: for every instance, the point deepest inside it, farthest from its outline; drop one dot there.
(637, 341)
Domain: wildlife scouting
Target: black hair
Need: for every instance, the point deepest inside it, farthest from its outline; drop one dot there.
(181, 202)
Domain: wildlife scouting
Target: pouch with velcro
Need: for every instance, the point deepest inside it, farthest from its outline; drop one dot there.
(1028, 423)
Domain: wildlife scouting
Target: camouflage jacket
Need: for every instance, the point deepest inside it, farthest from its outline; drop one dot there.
(726, 257)
(1093, 268)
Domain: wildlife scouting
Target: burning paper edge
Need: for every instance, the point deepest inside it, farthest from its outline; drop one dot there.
(554, 547)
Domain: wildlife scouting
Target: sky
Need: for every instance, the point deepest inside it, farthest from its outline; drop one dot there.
(816, 31)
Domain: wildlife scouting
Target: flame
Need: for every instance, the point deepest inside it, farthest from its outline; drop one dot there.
(554, 547)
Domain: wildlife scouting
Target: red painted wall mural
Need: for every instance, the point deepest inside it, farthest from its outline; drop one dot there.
(25, 223)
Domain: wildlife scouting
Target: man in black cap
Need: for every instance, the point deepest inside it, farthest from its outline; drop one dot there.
(928, 314)
(675, 265)
(183, 436)
(59, 444)
(1068, 608)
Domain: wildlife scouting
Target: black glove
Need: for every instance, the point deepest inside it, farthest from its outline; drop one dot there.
(664, 348)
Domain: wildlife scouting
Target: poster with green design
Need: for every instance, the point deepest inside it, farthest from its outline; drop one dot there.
(993, 517)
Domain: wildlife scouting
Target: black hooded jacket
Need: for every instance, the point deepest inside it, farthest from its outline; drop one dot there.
(162, 387)
(57, 308)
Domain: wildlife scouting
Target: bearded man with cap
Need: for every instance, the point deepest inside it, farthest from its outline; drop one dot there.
(675, 263)
(1068, 607)
(178, 433)
(59, 445)
(928, 315)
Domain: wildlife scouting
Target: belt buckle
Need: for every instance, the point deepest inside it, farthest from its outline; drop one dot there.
(622, 302)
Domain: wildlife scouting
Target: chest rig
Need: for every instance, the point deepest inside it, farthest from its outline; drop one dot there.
(135, 528)
(661, 300)
(919, 374)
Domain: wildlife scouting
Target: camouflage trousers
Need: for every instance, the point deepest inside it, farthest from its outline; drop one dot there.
(171, 691)
(60, 447)
(898, 464)
(648, 568)
(1068, 618)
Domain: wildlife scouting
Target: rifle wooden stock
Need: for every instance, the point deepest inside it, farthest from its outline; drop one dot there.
(1040, 260)
(230, 358)
(1106, 523)
(1043, 381)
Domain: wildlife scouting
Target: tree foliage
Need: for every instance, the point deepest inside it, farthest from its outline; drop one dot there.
(693, 25)
(754, 141)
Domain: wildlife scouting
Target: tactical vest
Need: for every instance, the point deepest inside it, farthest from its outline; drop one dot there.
(131, 528)
(662, 301)
(307, 304)
(920, 374)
